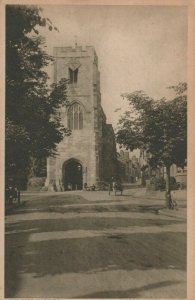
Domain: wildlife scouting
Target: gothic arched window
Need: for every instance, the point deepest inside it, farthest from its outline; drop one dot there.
(73, 75)
(75, 117)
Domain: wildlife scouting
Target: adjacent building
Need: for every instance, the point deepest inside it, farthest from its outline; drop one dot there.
(129, 168)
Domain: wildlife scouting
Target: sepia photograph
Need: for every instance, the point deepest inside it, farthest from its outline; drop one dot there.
(95, 190)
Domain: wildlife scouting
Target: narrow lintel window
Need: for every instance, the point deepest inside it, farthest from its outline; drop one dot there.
(75, 117)
(73, 75)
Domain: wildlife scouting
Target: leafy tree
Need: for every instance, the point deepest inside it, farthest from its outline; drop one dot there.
(159, 127)
(33, 124)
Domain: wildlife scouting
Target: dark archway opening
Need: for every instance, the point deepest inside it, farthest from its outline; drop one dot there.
(73, 179)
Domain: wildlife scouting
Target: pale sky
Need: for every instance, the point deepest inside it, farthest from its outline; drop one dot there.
(139, 47)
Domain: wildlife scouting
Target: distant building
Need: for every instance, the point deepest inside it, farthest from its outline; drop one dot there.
(180, 174)
(88, 155)
(129, 168)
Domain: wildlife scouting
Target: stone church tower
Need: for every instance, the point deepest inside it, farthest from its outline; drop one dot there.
(88, 155)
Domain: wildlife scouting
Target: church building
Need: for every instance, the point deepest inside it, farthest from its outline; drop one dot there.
(88, 155)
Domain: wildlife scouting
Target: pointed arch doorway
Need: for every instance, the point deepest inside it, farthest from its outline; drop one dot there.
(72, 175)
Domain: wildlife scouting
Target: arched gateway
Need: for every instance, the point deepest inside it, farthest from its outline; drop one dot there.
(72, 175)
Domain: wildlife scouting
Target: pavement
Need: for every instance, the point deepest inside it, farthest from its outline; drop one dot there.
(180, 196)
(92, 245)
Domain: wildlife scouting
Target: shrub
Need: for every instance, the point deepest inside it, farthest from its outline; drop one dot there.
(102, 186)
(160, 183)
(173, 184)
(36, 183)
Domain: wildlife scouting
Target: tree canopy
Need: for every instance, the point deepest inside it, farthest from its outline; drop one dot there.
(159, 127)
(33, 124)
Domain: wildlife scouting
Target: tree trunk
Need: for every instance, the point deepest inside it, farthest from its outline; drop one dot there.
(168, 190)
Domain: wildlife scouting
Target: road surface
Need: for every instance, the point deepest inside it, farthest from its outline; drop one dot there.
(91, 245)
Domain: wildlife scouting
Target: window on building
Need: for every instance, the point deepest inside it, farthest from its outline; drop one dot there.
(73, 75)
(75, 117)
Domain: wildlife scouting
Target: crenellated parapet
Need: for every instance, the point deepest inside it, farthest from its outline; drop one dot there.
(78, 50)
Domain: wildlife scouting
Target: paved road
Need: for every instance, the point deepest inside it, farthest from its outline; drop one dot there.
(91, 245)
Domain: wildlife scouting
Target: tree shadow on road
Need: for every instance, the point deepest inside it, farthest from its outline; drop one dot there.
(84, 255)
(76, 203)
(95, 207)
(131, 293)
(141, 251)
